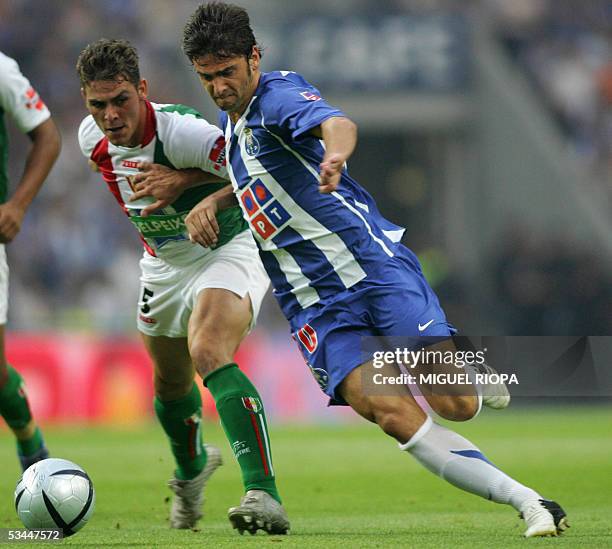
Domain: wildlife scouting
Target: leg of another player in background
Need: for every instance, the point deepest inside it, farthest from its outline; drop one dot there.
(15, 409)
(458, 402)
(440, 450)
(218, 323)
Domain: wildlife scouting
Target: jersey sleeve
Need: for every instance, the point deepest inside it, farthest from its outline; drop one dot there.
(189, 141)
(19, 98)
(89, 135)
(296, 108)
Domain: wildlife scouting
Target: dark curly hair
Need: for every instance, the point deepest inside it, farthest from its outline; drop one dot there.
(219, 29)
(108, 59)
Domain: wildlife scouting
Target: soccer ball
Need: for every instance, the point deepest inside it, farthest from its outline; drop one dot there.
(55, 493)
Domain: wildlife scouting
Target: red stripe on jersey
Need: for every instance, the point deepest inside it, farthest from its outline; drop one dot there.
(150, 125)
(103, 160)
(101, 157)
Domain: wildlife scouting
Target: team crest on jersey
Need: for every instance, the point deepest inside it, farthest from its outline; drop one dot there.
(265, 214)
(251, 144)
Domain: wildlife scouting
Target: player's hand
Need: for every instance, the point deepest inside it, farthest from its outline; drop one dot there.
(156, 180)
(11, 217)
(331, 170)
(202, 223)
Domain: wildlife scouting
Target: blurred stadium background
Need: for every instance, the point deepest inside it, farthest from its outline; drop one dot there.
(485, 129)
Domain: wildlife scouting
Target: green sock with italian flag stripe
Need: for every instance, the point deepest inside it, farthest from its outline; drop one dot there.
(181, 420)
(244, 422)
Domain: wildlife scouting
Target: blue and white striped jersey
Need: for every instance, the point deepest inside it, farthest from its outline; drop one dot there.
(312, 245)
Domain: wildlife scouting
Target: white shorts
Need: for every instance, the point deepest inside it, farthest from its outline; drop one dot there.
(168, 292)
(4, 276)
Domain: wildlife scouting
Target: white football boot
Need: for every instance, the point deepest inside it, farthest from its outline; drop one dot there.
(188, 499)
(543, 518)
(494, 395)
(258, 510)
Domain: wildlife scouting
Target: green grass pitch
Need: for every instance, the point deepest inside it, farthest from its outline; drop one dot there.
(346, 485)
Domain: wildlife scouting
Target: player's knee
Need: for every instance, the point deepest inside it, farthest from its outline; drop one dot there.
(389, 422)
(458, 408)
(396, 422)
(208, 355)
(172, 388)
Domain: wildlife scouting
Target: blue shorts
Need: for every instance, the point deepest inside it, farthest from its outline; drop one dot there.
(403, 304)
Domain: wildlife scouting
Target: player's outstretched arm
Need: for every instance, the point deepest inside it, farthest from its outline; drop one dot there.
(166, 184)
(45, 148)
(340, 137)
(202, 223)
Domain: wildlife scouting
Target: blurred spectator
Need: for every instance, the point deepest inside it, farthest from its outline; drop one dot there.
(566, 49)
(550, 288)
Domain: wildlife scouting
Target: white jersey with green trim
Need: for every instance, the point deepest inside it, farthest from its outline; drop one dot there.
(178, 137)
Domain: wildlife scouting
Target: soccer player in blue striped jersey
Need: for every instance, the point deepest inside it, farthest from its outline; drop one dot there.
(337, 266)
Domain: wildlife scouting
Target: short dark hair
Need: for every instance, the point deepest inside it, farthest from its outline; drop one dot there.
(219, 29)
(108, 59)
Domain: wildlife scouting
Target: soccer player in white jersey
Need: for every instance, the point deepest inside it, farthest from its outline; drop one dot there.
(22, 103)
(337, 266)
(196, 304)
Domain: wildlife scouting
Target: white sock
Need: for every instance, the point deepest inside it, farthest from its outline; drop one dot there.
(458, 461)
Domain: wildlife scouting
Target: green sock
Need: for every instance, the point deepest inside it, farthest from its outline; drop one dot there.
(15, 409)
(244, 422)
(182, 421)
(31, 445)
(14, 405)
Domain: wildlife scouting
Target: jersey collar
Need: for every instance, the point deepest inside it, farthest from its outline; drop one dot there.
(150, 125)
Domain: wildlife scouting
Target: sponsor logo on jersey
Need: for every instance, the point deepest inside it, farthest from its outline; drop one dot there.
(217, 153)
(251, 144)
(263, 226)
(262, 195)
(248, 202)
(33, 100)
(252, 404)
(265, 214)
(130, 164)
(277, 214)
(161, 226)
(310, 96)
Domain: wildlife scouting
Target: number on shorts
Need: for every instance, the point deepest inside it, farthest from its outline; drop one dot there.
(146, 294)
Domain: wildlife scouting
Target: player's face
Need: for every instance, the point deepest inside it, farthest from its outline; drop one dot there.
(231, 82)
(119, 109)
